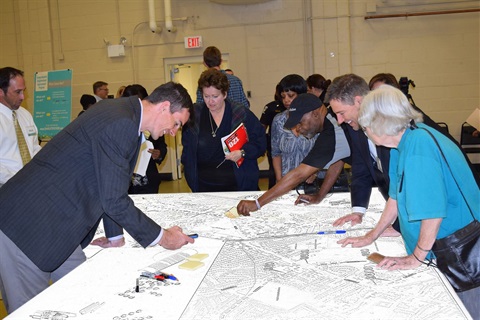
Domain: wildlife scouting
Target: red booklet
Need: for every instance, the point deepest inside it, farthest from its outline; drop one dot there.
(235, 141)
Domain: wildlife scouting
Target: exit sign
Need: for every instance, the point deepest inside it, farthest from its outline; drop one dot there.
(193, 42)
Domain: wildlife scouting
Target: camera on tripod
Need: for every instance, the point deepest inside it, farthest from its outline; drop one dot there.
(405, 83)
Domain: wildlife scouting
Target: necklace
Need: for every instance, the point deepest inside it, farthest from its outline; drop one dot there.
(214, 132)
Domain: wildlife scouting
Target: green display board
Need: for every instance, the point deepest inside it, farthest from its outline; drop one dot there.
(52, 102)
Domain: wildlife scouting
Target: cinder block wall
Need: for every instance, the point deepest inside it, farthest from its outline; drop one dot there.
(264, 42)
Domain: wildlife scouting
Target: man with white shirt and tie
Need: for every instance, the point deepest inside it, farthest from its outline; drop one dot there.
(100, 90)
(18, 133)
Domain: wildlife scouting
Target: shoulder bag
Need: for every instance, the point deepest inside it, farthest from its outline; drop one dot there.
(458, 255)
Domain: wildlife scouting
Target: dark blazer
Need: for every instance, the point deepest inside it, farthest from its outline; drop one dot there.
(57, 199)
(365, 174)
(248, 174)
(112, 228)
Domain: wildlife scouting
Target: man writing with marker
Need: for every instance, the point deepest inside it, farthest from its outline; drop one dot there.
(56, 201)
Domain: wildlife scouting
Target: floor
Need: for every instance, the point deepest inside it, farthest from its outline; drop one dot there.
(177, 186)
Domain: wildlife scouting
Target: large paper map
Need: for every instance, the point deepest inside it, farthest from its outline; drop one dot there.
(271, 265)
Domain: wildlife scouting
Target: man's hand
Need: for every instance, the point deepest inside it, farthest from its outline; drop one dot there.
(308, 199)
(353, 218)
(173, 238)
(105, 243)
(244, 207)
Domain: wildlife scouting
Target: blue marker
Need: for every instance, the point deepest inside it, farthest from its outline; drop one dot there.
(332, 232)
(193, 236)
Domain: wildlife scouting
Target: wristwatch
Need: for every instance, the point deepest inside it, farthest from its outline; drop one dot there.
(242, 153)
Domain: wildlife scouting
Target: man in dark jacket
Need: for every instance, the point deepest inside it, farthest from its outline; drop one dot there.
(83, 173)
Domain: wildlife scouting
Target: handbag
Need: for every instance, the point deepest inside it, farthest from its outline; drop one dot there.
(458, 255)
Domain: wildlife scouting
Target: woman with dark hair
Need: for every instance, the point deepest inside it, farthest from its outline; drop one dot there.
(318, 85)
(207, 168)
(289, 148)
(383, 78)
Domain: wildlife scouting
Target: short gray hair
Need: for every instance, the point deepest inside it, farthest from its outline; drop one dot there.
(387, 111)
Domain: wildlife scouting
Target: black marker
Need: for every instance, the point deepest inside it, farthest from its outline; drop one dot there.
(193, 236)
(137, 287)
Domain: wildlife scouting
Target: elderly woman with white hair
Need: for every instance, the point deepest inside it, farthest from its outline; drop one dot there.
(432, 191)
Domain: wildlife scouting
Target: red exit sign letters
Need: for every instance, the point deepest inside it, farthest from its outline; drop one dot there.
(193, 42)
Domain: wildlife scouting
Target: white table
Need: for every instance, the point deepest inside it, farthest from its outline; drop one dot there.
(271, 265)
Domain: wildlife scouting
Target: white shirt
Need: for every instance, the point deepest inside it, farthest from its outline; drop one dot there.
(10, 159)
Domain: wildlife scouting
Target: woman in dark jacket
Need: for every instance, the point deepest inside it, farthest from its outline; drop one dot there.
(207, 168)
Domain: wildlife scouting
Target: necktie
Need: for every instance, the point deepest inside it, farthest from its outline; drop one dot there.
(22, 144)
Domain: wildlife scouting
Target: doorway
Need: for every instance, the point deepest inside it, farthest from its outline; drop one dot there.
(186, 71)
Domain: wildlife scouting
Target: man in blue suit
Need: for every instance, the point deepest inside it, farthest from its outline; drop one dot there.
(56, 201)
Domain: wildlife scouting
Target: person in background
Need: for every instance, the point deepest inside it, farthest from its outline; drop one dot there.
(120, 92)
(152, 182)
(229, 71)
(86, 100)
(57, 200)
(432, 191)
(212, 58)
(269, 112)
(206, 167)
(288, 148)
(13, 153)
(100, 90)
(309, 117)
(318, 85)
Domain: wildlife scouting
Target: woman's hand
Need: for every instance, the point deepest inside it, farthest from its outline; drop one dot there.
(234, 155)
(357, 242)
(399, 263)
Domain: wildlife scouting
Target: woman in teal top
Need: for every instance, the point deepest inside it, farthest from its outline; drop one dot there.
(423, 191)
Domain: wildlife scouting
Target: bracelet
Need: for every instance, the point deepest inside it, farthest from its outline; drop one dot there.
(422, 248)
(417, 258)
(258, 204)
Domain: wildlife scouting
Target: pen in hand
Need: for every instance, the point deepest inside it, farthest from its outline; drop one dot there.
(221, 163)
